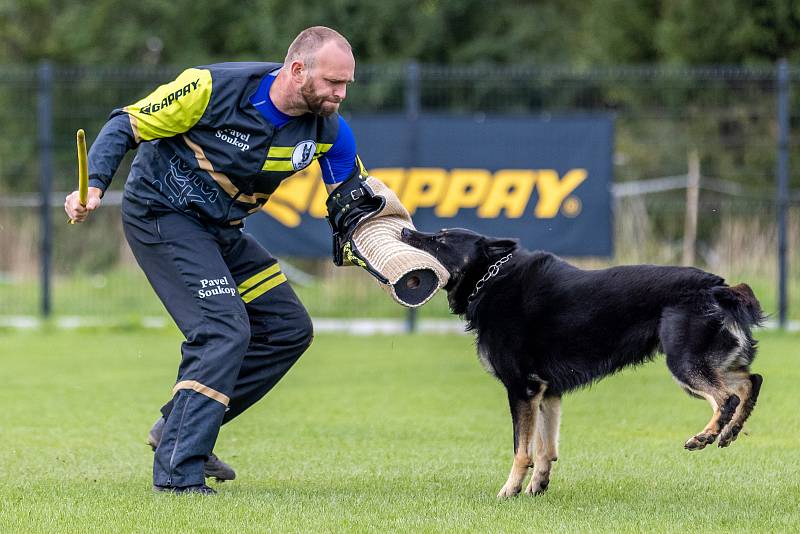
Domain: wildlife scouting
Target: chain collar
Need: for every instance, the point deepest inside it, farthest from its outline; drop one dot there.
(493, 270)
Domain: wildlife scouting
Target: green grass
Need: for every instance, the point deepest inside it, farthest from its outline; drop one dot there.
(123, 295)
(381, 434)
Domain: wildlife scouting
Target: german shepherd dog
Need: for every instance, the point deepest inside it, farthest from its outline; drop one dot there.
(545, 327)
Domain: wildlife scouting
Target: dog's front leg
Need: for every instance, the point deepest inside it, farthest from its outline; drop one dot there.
(523, 414)
(547, 425)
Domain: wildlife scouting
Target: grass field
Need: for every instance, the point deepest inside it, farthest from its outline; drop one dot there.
(382, 434)
(123, 295)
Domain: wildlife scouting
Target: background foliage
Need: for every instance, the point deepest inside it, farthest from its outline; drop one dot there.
(575, 32)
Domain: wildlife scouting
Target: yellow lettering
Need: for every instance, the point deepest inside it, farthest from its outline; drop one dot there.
(424, 187)
(285, 215)
(467, 188)
(552, 192)
(317, 208)
(393, 177)
(511, 190)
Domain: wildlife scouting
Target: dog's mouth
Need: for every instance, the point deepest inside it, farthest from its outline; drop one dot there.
(426, 242)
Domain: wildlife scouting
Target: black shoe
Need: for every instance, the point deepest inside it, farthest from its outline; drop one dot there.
(214, 467)
(200, 489)
(154, 436)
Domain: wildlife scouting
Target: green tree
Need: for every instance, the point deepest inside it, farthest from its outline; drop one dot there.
(732, 32)
(576, 32)
(619, 32)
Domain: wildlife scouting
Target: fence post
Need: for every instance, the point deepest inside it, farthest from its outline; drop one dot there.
(412, 108)
(783, 185)
(692, 200)
(44, 122)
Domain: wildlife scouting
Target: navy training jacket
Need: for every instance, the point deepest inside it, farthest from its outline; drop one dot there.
(204, 148)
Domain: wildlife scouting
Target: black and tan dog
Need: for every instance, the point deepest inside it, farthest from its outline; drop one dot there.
(545, 327)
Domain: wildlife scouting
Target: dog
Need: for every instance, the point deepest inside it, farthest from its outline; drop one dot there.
(545, 327)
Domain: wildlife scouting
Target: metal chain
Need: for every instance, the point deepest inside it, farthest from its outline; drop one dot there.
(493, 270)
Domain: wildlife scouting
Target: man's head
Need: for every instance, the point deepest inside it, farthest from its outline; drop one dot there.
(320, 64)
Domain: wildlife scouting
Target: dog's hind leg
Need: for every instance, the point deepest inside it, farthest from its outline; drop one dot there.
(724, 406)
(524, 410)
(547, 426)
(736, 369)
(697, 358)
(747, 387)
(700, 383)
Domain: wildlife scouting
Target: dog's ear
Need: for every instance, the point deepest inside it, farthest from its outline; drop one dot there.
(498, 246)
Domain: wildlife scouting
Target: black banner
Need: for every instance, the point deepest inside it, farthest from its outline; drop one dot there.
(546, 181)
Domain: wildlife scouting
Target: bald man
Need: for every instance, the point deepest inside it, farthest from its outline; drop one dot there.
(212, 145)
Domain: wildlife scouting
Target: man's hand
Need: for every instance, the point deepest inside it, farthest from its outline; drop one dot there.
(78, 213)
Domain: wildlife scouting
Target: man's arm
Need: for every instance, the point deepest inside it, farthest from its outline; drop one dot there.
(358, 168)
(341, 161)
(347, 203)
(171, 109)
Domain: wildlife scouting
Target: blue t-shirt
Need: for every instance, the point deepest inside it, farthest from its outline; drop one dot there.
(337, 164)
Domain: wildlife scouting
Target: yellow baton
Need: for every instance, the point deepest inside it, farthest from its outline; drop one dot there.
(83, 170)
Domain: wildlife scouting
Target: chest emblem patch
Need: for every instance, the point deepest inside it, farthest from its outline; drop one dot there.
(303, 154)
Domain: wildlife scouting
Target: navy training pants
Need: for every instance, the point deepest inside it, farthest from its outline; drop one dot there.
(244, 327)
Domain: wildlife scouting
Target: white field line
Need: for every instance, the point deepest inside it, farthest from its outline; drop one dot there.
(359, 327)
(363, 327)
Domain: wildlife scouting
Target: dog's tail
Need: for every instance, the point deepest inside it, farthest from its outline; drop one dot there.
(740, 305)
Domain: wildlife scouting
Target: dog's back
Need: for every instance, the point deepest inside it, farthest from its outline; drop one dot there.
(573, 326)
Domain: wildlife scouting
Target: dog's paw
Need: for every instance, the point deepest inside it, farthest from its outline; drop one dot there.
(537, 487)
(508, 491)
(729, 436)
(695, 443)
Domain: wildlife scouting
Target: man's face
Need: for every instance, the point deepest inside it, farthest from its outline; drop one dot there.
(325, 86)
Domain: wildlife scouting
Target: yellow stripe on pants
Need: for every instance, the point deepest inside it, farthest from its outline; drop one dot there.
(263, 288)
(257, 278)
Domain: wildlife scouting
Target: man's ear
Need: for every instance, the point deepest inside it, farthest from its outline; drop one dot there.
(297, 69)
(501, 245)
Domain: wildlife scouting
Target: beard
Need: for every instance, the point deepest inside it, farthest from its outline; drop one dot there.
(319, 105)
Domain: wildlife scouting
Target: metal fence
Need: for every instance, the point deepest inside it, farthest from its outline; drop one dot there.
(735, 119)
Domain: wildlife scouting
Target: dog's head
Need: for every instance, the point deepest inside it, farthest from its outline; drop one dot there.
(465, 254)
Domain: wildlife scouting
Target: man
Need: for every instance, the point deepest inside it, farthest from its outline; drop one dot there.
(212, 146)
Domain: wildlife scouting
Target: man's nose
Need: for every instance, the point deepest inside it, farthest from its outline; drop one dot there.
(340, 92)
